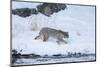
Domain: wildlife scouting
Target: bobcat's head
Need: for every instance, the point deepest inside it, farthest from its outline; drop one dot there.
(66, 34)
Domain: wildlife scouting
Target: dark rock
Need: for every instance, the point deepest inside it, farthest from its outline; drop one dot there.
(14, 51)
(24, 12)
(30, 56)
(58, 7)
(77, 55)
(57, 55)
(35, 55)
(34, 11)
(45, 56)
(15, 55)
(15, 66)
(50, 8)
(45, 9)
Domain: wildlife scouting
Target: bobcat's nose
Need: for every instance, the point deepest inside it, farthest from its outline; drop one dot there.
(68, 35)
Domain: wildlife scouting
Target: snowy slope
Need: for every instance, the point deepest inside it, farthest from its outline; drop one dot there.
(79, 21)
(24, 5)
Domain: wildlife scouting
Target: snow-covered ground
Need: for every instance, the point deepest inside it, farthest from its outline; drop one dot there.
(79, 21)
(24, 61)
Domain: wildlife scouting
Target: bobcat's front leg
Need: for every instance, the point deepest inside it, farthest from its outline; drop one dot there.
(61, 40)
(37, 37)
(64, 41)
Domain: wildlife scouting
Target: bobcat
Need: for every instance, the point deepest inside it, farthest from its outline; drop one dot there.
(46, 32)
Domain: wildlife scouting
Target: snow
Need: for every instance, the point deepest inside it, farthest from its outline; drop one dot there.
(79, 21)
(24, 5)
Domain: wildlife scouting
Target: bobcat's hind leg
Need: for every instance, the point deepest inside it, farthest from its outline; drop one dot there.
(45, 37)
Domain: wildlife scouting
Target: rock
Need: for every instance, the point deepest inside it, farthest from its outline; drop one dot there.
(34, 11)
(24, 12)
(30, 56)
(14, 51)
(50, 8)
(57, 55)
(15, 56)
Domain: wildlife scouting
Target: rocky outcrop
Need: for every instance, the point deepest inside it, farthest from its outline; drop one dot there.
(50, 8)
(46, 9)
